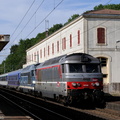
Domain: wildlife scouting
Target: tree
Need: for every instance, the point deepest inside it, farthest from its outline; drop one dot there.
(72, 18)
(13, 49)
(55, 28)
(109, 6)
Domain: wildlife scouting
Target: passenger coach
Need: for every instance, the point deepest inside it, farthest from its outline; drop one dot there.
(4, 80)
(14, 79)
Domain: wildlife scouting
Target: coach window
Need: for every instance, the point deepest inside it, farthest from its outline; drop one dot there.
(32, 73)
(65, 68)
(92, 68)
(62, 68)
(75, 68)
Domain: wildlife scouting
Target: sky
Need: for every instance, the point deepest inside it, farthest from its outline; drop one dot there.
(23, 19)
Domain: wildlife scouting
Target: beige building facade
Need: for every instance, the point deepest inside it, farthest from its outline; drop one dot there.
(96, 33)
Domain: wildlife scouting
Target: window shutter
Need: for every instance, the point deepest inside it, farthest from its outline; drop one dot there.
(78, 37)
(64, 43)
(44, 52)
(53, 48)
(70, 40)
(57, 46)
(48, 50)
(101, 35)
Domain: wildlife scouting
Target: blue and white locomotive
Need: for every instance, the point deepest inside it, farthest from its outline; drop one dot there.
(28, 79)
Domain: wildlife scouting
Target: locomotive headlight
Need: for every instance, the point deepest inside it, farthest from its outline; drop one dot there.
(78, 84)
(93, 84)
(33, 82)
(97, 84)
(74, 84)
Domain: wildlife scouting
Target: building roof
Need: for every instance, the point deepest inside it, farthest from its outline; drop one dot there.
(104, 11)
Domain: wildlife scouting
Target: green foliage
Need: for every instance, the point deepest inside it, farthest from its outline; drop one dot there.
(72, 18)
(109, 6)
(54, 28)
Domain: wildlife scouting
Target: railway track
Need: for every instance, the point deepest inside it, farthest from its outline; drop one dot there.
(34, 110)
(40, 109)
(9, 112)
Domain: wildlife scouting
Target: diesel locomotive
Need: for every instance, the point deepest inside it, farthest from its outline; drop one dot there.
(70, 78)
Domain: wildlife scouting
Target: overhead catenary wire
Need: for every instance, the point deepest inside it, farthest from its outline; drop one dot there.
(29, 19)
(19, 24)
(44, 18)
(23, 18)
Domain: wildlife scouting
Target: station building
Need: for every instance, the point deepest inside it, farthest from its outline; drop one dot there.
(94, 32)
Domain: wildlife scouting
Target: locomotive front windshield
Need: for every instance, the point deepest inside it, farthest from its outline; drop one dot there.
(84, 68)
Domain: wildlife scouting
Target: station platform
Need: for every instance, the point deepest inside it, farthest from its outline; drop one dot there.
(113, 102)
(113, 105)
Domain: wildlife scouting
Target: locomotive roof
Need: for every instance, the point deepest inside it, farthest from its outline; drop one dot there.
(79, 58)
(15, 72)
(3, 75)
(72, 58)
(29, 68)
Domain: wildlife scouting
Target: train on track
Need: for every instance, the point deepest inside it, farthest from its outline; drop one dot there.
(69, 79)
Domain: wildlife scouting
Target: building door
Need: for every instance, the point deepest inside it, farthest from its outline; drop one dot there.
(105, 70)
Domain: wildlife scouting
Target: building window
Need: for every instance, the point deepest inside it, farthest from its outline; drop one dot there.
(105, 75)
(48, 50)
(44, 52)
(64, 43)
(34, 56)
(37, 56)
(53, 48)
(57, 46)
(70, 40)
(40, 53)
(78, 37)
(103, 61)
(101, 35)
